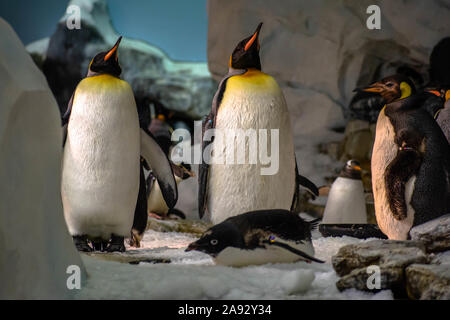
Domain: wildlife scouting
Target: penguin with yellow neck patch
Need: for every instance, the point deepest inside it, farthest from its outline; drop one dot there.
(410, 160)
(246, 99)
(101, 161)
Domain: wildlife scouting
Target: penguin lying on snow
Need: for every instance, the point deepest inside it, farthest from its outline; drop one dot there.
(346, 202)
(248, 99)
(410, 160)
(259, 237)
(103, 142)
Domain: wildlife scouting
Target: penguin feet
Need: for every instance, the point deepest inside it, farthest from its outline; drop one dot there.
(81, 243)
(176, 214)
(116, 244)
(135, 239)
(99, 245)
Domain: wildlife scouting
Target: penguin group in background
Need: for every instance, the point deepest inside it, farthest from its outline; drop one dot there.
(410, 160)
(259, 237)
(247, 98)
(346, 201)
(101, 161)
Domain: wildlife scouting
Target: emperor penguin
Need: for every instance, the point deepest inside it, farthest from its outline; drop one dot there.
(346, 202)
(410, 160)
(259, 237)
(101, 162)
(247, 98)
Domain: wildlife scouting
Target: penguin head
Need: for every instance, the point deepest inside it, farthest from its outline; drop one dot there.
(352, 170)
(392, 88)
(107, 62)
(246, 53)
(217, 238)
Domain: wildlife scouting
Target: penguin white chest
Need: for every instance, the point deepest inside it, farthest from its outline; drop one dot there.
(346, 203)
(100, 177)
(236, 257)
(240, 187)
(384, 151)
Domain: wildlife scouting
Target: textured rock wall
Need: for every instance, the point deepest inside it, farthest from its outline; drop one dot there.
(35, 246)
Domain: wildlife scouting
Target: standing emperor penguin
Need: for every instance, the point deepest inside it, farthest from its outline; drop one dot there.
(410, 160)
(246, 99)
(101, 162)
(346, 202)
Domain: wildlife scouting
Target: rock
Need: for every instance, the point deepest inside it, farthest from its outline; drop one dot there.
(428, 281)
(383, 253)
(435, 234)
(195, 227)
(35, 246)
(391, 278)
(184, 87)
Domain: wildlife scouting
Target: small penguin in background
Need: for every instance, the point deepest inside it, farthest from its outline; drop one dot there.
(346, 202)
(410, 160)
(155, 202)
(246, 99)
(259, 237)
(102, 147)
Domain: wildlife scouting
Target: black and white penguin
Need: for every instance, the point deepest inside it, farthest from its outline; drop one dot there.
(259, 237)
(346, 202)
(248, 99)
(103, 144)
(410, 160)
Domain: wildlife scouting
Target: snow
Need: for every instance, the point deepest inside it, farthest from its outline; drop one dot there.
(193, 275)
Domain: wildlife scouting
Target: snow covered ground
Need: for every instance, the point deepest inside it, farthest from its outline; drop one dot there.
(193, 275)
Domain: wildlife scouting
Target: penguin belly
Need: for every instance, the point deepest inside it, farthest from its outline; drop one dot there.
(100, 179)
(346, 203)
(384, 151)
(236, 188)
(237, 257)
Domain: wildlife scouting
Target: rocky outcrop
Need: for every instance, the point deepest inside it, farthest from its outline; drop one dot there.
(428, 281)
(184, 87)
(35, 247)
(406, 267)
(435, 234)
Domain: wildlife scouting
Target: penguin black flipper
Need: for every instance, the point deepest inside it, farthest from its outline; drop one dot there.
(210, 123)
(305, 182)
(65, 120)
(140, 212)
(398, 172)
(293, 250)
(158, 161)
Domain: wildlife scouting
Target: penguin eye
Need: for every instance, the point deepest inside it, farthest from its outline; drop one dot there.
(214, 242)
(389, 84)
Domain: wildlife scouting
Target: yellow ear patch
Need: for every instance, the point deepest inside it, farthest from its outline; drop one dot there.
(90, 64)
(405, 90)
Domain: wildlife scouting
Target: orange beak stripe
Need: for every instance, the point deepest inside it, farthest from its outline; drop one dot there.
(373, 89)
(111, 52)
(250, 42)
(437, 93)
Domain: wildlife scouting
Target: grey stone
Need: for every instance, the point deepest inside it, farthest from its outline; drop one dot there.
(35, 246)
(435, 234)
(428, 281)
(383, 253)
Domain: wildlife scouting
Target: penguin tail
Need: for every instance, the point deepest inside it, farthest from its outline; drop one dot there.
(308, 184)
(398, 172)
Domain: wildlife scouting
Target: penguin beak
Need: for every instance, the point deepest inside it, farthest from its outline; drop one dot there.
(113, 51)
(192, 246)
(357, 168)
(254, 38)
(447, 95)
(377, 87)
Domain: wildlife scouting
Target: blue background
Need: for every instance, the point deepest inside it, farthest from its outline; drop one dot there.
(178, 27)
